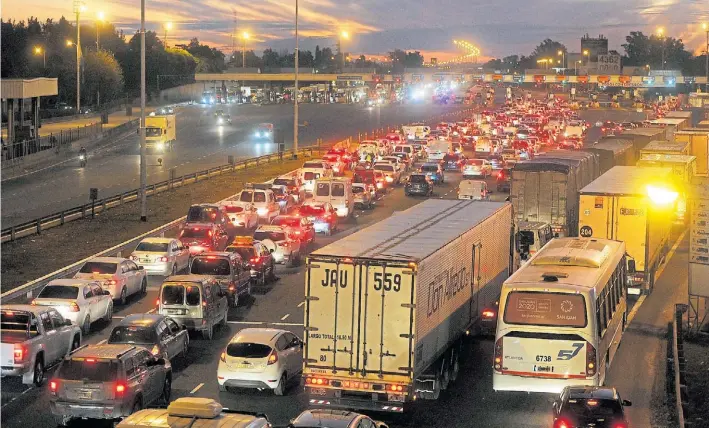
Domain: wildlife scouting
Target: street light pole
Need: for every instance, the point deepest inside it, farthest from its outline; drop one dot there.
(143, 160)
(660, 34)
(295, 92)
(243, 49)
(78, 7)
(705, 26)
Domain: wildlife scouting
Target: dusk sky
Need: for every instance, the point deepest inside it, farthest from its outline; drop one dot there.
(498, 27)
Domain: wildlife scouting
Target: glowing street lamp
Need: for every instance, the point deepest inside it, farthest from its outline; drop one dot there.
(100, 17)
(661, 196)
(661, 35)
(563, 57)
(168, 27)
(344, 35)
(244, 37)
(39, 50)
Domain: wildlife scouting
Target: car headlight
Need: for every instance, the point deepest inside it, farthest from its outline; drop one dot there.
(258, 134)
(220, 121)
(160, 145)
(262, 211)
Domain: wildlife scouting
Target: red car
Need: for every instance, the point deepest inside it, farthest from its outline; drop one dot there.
(297, 227)
(202, 237)
(322, 216)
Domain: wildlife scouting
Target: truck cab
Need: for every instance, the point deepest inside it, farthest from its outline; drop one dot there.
(531, 237)
(160, 133)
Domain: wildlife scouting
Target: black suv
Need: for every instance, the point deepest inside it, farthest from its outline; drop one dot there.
(108, 382)
(590, 406)
(418, 184)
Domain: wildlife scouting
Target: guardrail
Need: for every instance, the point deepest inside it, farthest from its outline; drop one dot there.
(36, 226)
(679, 365)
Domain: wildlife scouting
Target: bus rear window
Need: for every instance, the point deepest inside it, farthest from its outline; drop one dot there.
(545, 309)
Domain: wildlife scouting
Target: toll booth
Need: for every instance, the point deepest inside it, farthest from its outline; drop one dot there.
(20, 104)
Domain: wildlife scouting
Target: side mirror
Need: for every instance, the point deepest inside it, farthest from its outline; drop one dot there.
(141, 268)
(271, 250)
(67, 323)
(106, 293)
(627, 403)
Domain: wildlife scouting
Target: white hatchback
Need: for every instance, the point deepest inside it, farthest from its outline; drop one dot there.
(82, 301)
(260, 358)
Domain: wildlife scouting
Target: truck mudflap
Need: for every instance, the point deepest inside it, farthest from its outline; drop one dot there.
(371, 401)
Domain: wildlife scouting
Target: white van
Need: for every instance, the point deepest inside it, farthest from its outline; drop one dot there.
(438, 149)
(406, 148)
(313, 170)
(337, 192)
(262, 198)
(473, 189)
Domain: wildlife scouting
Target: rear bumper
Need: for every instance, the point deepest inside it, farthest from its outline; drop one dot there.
(195, 324)
(510, 383)
(15, 370)
(371, 404)
(162, 268)
(88, 411)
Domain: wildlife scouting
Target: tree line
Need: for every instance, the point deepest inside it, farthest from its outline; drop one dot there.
(640, 50)
(111, 68)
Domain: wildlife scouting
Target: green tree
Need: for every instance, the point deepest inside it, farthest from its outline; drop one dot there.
(548, 48)
(641, 50)
(102, 75)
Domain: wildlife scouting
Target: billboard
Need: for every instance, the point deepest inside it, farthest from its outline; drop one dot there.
(609, 64)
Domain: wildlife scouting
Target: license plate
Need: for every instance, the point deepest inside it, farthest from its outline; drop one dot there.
(544, 369)
(243, 366)
(145, 260)
(318, 391)
(84, 395)
(173, 311)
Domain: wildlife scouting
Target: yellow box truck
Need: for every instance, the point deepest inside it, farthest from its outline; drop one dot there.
(160, 132)
(634, 205)
(698, 140)
(386, 308)
(665, 148)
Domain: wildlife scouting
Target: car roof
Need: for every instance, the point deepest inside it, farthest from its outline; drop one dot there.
(187, 278)
(585, 392)
(334, 418)
(108, 259)
(72, 282)
(158, 240)
(216, 254)
(142, 319)
(198, 225)
(104, 350)
(263, 335)
(270, 228)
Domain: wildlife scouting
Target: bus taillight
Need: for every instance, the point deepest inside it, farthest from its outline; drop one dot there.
(498, 355)
(590, 359)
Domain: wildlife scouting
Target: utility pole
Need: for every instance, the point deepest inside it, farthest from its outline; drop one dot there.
(295, 92)
(705, 26)
(78, 7)
(143, 165)
(234, 35)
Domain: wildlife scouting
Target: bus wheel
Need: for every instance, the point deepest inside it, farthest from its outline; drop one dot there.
(454, 365)
(444, 374)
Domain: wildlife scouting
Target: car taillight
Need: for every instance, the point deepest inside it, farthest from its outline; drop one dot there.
(285, 244)
(120, 388)
(157, 302)
(162, 259)
(74, 307)
(19, 354)
(621, 424)
(222, 357)
(488, 314)
(255, 259)
(155, 350)
(395, 388)
(317, 381)
(562, 423)
(498, 355)
(273, 358)
(590, 359)
(209, 232)
(110, 282)
(53, 386)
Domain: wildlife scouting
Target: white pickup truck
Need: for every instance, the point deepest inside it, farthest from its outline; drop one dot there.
(34, 338)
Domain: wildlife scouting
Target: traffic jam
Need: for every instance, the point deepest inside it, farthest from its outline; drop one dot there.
(226, 252)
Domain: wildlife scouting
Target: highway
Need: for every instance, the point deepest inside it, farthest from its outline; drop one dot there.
(638, 371)
(200, 145)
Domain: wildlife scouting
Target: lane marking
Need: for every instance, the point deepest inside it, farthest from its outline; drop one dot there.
(18, 396)
(196, 388)
(118, 317)
(102, 342)
(301, 304)
(284, 317)
(152, 311)
(642, 298)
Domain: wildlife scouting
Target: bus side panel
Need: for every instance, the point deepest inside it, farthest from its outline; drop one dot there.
(630, 222)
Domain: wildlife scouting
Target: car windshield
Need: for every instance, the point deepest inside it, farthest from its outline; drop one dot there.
(245, 252)
(173, 295)
(338, 189)
(233, 209)
(103, 268)
(474, 162)
(202, 214)
(286, 221)
(133, 334)
(88, 370)
(210, 265)
(357, 189)
(246, 196)
(384, 167)
(152, 247)
(284, 182)
(273, 236)
(311, 176)
(59, 292)
(194, 233)
(153, 132)
(259, 196)
(429, 168)
(323, 189)
(248, 350)
(593, 408)
(416, 178)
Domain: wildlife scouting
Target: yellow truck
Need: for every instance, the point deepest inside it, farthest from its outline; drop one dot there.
(665, 148)
(635, 205)
(698, 140)
(160, 133)
(387, 308)
(684, 169)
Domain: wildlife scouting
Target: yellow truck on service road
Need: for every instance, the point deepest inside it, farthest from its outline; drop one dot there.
(160, 132)
(698, 140)
(386, 308)
(635, 205)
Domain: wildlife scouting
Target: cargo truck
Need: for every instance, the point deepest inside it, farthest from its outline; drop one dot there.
(613, 152)
(159, 132)
(703, 124)
(642, 136)
(671, 125)
(698, 146)
(634, 205)
(387, 307)
(665, 148)
(545, 189)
